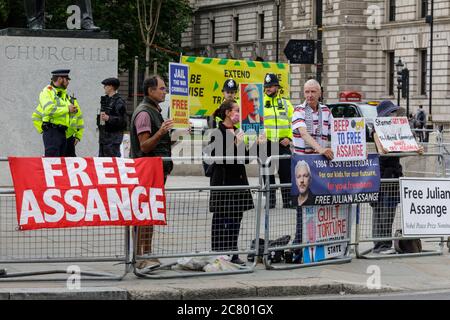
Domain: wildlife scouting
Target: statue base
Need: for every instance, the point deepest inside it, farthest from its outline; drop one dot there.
(27, 58)
(54, 33)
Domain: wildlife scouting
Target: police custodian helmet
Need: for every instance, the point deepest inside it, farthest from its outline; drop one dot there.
(271, 79)
(230, 85)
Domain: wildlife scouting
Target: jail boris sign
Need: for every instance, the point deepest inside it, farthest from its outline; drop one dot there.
(425, 205)
(179, 95)
(75, 192)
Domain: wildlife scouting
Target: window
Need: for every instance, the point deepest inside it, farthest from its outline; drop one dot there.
(423, 72)
(236, 28)
(391, 72)
(391, 10)
(212, 30)
(261, 25)
(318, 12)
(423, 8)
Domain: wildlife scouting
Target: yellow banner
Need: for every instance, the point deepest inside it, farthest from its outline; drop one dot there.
(207, 76)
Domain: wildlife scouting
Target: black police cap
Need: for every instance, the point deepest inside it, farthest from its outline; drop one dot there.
(61, 73)
(271, 79)
(111, 82)
(230, 85)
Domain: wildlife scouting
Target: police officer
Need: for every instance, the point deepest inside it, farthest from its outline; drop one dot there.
(51, 117)
(35, 10)
(278, 113)
(111, 121)
(229, 91)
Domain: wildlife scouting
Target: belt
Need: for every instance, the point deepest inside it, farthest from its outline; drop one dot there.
(52, 125)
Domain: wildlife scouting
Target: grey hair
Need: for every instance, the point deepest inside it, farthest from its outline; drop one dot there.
(303, 163)
(313, 82)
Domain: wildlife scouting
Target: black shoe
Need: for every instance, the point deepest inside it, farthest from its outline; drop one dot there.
(235, 259)
(88, 24)
(36, 24)
(298, 255)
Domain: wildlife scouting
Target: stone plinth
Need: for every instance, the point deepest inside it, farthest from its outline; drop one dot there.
(27, 59)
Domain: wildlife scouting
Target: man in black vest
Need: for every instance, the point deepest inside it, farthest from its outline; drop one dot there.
(150, 137)
(112, 120)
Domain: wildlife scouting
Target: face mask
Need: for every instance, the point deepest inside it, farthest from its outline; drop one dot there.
(235, 118)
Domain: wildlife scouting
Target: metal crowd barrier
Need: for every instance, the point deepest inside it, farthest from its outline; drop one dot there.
(188, 232)
(51, 246)
(379, 222)
(282, 221)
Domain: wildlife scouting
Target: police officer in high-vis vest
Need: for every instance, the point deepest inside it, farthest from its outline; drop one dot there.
(229, 90)
(278, 113)
(53, 114)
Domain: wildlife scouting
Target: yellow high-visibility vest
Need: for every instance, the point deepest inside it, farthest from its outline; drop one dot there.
(53, 107)
(278, 114)
(76, 123)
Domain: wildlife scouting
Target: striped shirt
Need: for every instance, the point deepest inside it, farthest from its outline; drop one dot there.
(299, 119)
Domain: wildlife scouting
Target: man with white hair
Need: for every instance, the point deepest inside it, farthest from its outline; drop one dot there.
(311, 123)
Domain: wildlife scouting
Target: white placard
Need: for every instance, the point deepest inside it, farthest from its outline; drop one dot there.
(395, 134)
(348, 139)
(425, 205)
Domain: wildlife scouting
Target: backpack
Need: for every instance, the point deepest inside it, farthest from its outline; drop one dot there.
(407, 245)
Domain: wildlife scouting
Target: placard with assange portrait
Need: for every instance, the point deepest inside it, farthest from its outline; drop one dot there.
(252, 109)
(318, 181)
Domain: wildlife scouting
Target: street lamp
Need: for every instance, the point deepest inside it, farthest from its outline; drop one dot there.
(277, 45)
(430, 20)
(399, 67)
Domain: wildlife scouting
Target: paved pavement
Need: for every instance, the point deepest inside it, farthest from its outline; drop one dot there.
(404, 275)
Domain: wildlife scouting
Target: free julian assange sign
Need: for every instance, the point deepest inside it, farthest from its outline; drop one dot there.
(425, 205)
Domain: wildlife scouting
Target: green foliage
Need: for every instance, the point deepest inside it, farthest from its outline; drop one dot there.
(4, 10)
(119, 18)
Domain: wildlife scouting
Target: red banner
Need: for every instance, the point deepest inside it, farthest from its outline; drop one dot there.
(75, 192)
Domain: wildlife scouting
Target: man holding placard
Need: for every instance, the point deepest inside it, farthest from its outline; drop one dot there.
(390, 125)
(310, 128)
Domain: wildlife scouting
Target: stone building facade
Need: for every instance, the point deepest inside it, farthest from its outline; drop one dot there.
(361, 43)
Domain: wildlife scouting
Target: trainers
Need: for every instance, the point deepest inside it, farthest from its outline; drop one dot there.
(148, 263)
(387, 251)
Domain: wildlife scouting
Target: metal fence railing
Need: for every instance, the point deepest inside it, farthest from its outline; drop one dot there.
(203, 224)
(281, 223)
(96, 244)
(378, 224)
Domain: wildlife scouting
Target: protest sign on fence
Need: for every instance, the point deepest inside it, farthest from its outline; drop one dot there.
(348, 139)
(318, 181)
(425, 205)
(207, 76)
(323, 224)
(395, 134)
(179, 95)
(75, 192)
